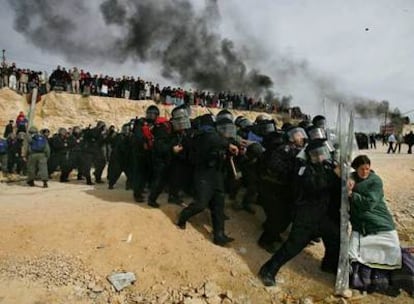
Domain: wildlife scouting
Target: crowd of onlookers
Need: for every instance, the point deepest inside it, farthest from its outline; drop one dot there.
(21, 80)
(78, 81)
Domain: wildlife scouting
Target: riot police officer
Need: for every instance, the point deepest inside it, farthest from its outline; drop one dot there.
(276, 193)
(313, 183)
(93, 154)
(210, 148)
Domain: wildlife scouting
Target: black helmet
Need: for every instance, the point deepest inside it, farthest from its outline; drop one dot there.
(100, 124)
(242, 122)
(45, 132)
(319, 121)
(152, 113)
(224, 114)
(76, 130)
(264, 126)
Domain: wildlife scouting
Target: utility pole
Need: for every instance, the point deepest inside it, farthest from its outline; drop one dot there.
(32, 107)
(3, 69)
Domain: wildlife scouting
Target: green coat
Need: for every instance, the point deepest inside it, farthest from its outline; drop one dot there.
(369, 213)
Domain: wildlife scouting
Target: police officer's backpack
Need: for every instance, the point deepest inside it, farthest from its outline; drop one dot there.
(38, 143)
(3, 146)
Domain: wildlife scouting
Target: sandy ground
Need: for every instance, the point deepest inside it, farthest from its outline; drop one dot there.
(57, 245)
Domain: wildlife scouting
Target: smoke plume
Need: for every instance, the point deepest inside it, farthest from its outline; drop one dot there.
(184, 41)
(170, 32)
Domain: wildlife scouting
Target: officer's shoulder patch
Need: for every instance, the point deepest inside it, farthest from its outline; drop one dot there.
(301, 170)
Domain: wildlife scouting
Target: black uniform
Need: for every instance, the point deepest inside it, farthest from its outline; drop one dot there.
(209, 154)
(161, 157)
(314, 183)
(75, 155)
(14, 158)
(249, 168)
(8, 130)
(409, 140)
(277, 170)
(139, 155)
(93, 154)
(60, 156)
(181, 169)
(119, 159)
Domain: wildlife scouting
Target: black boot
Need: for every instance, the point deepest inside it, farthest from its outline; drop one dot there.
(45, 184)
(221, 239)
(79, 177)
(89, 181)
(153, 204)
(31, 183)
(269, 270)
(110, 187)
(267, 277)
(182, 220)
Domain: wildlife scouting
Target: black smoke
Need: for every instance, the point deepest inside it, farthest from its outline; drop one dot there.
(170, 32)
(371, 108)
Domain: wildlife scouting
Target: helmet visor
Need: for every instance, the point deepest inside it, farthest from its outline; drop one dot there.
(319, 155)
(227, 130)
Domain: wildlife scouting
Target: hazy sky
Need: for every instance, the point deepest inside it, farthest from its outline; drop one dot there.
(364, 48)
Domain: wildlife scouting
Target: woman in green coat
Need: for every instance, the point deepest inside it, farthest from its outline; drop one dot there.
(374, 245)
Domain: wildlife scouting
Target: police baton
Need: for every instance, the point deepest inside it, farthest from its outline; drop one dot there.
(237, 175)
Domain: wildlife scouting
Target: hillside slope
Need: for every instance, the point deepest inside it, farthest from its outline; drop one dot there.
(66, 110)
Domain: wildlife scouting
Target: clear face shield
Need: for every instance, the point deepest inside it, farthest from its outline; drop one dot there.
(319, 155)
(181, 123)
(317, 133)
(227, 130)
(297, 136)
(330, 147)
(321, 123)
(180, 120)
(244, 123)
